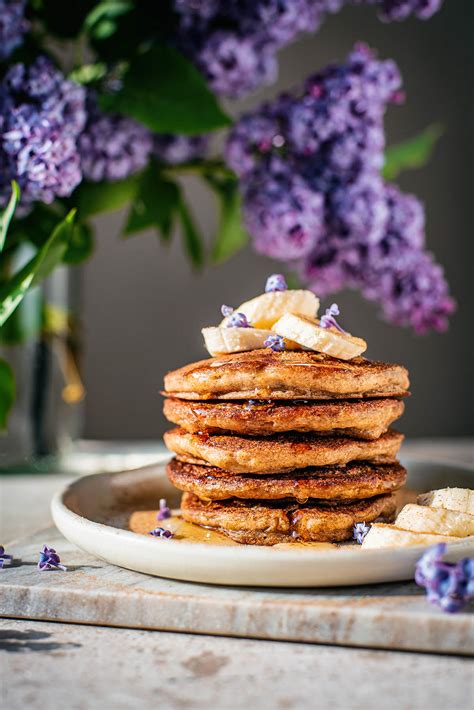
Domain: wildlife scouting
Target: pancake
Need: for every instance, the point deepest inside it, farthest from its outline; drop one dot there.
(257, 523)
(354, 481)
(279, 453)
(366, 419)
(299, 374)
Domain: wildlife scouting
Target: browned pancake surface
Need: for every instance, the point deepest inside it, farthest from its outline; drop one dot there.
(351, 482)
(257, 523)
(281, 452)
(264, 374)
(365, 418)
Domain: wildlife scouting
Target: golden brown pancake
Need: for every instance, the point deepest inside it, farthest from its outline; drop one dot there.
(281, 452)
(354, 481)
(264, 374)
(257, 523)
(365, 418)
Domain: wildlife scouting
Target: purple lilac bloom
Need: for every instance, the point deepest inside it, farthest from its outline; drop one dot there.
(226, 310)
(401, 9)
(449, 585)
(275, 343)
(328, 320)
(161, 533)
(309, 169)
(5, 560)
(359, 532)
(276, 282)
(112, 147)
(164, 510)
(13, 25)
(175, 149)
(238, 320)
(50, 560)
(41, 117)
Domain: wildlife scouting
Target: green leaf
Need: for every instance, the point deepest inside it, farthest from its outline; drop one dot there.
(166, 93)
(192, 238)
(155, 204)
(412, 153)
(101, 20)
(37, 269)
(81, 244)
(93, 198)
(25, 322)
(231, 235)
(7, 392)
(88, 73)
(8, 212)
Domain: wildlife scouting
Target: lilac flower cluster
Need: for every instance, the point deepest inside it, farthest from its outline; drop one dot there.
(234, 42)
(41, 117)
(13, 25)
(449, 585)
(309, 167)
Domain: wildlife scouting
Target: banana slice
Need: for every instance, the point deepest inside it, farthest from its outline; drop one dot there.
(308, 333)
(382, 535)
(263, 311)
(233, 340)
(460, 499)
(436, 521)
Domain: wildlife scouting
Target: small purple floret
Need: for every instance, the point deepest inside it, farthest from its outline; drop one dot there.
(50, 560)
(162, 533)
(276, 282)
(238, 320)
(5, 560)
(226, 310)
(360, 531)
(449, 585)
(164, 511)
(275, 342)
(328, 320)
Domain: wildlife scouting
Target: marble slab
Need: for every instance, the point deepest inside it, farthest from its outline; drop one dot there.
(388, 616)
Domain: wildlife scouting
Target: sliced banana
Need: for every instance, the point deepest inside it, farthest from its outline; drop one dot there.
(234, 340)
(460, 499)
(263, 311)
(309, 334)
(436, 521)
(383, 535)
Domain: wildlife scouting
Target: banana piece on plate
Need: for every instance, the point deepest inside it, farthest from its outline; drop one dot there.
(384, 535)
(264, 310)
(460, 499)
(219, 341)
(308, 333)
(436, 521)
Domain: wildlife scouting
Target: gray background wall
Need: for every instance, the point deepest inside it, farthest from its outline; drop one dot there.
(144, 308)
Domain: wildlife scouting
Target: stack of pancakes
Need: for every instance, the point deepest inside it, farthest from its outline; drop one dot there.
(291, 446)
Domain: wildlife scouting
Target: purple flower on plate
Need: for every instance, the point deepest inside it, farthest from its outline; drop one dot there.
(275, 342)
(328, 320)
(449, 585)
(5, 560)
(50, 560)
(276, 282)
(360, 531)
(164, 511)
(161, 533)
(238, 320)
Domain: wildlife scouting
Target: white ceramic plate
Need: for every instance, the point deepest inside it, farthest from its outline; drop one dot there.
(92, 513)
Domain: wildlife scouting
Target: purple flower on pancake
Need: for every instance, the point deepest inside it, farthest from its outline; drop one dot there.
(360, 531)
(5, 560)
(275, 342)
(226, 310)
(238, 320)
(164, 511)
(449, 585)
(161, 533)
(328, 320)
(276, 282)
(50, 560)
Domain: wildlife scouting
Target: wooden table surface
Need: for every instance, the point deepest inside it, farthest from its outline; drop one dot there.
(46, 665)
